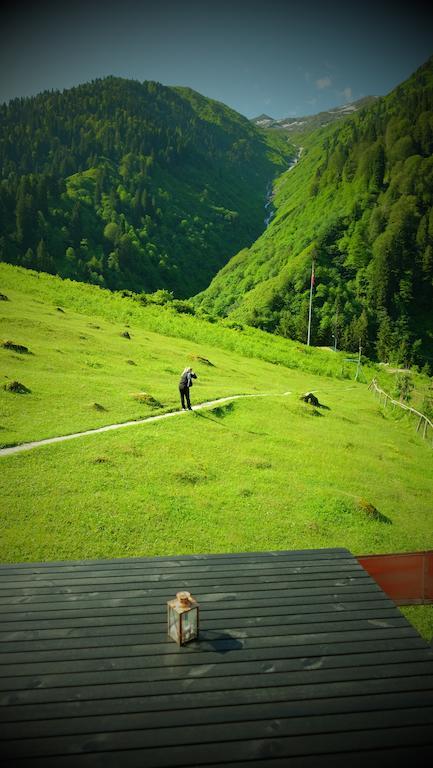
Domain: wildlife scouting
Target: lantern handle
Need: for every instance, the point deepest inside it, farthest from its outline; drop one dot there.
(184, 598)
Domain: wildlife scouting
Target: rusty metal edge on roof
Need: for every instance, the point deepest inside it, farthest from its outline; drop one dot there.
(406, 577)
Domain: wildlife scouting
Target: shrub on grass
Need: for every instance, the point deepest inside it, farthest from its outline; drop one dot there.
(3, 297)
(403, 387)
(203, 360)
(233, 325)
(15, 347)
(125, 335)
(17, 388)
(182, 307)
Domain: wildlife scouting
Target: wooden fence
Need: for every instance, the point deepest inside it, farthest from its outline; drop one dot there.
(424, 425)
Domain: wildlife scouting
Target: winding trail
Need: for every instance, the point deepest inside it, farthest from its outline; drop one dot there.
(62, 438)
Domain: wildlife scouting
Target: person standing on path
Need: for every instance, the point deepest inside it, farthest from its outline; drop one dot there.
(184, 386)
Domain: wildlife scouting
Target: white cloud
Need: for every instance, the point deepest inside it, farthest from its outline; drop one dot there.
(323, 82)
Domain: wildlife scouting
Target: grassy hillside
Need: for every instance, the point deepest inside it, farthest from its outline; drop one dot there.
(259, 473)
(74, 331)
(359, 202)
(131, 185)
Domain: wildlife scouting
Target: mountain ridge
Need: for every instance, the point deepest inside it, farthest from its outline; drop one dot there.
(312, 122)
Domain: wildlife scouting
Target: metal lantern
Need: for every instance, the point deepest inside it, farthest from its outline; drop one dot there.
(183, 618)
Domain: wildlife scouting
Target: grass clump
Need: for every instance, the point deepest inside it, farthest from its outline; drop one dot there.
(371, 513)
(348, 511)
(145, 399)
(190, 478)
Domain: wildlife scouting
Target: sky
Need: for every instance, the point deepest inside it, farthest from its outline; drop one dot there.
(283, 58)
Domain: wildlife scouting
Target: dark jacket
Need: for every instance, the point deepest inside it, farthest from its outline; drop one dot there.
(186, 380)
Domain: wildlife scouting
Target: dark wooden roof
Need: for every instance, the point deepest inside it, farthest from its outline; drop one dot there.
(302, 662)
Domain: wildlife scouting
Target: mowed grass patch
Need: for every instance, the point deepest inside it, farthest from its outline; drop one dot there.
(255, 474)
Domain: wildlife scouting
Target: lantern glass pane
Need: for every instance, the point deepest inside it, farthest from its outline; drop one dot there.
(173, 624)
(189, 625)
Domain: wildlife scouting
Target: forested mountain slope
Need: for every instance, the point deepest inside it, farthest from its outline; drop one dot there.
(131, 185)
(360, 202)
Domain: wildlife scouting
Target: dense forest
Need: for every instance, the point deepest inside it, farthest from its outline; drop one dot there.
(131, 185)
(360, 204)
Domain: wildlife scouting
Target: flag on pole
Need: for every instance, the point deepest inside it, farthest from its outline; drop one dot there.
(312, 275)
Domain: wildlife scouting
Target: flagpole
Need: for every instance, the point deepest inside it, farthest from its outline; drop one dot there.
(311, 303)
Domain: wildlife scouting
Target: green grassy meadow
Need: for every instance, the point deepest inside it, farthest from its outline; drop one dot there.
(249, 475)
(253, 474)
